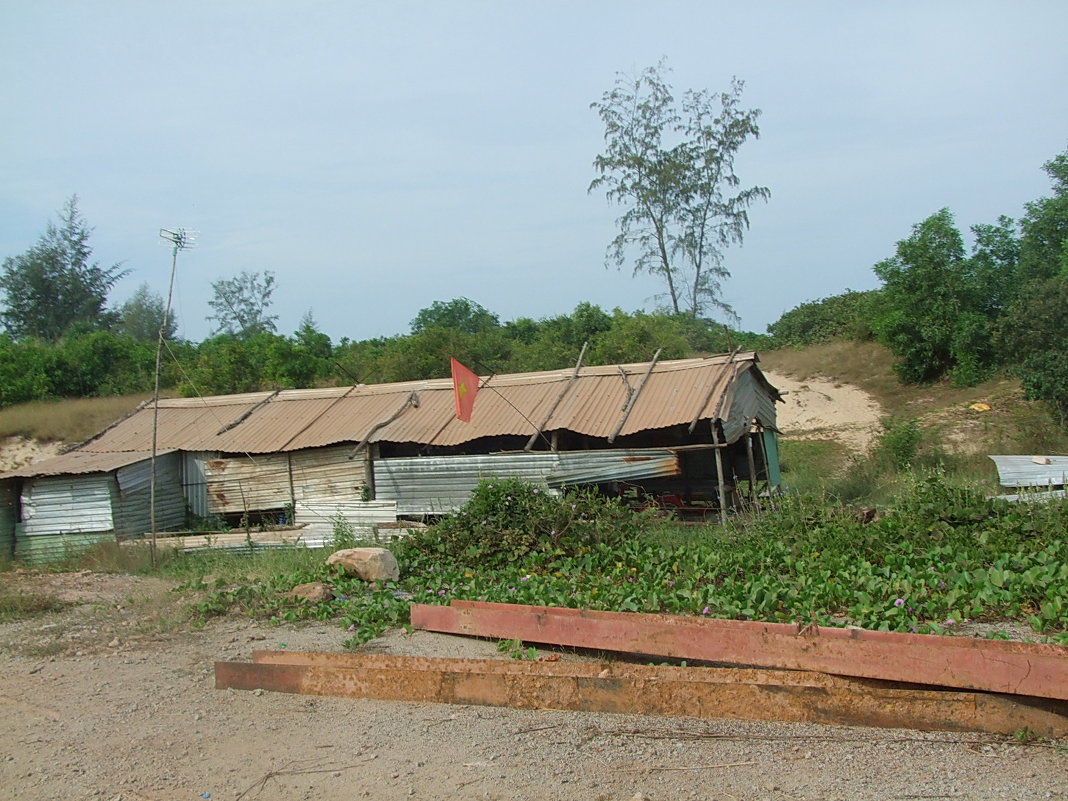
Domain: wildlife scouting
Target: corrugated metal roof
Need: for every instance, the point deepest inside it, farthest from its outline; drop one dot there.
(1032, 471)
(81, 463)
(593, 403)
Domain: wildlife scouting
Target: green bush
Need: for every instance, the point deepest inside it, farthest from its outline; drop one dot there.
(508, 519)
(898, 443)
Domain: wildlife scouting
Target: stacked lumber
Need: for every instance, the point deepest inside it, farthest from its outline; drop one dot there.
(834, 676)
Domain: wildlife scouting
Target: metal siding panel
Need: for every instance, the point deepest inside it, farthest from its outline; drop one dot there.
(74, 504)
(133, 510)
(362, 516)
(595, 467)
(771, 450)
(1021, 471)
(437, 484)
(327, 474)
(195, 482)
(247, 483)
(7, 520)
(45, 548)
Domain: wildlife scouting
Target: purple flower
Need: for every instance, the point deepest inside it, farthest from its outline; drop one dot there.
(941, 585)
(441, 592)
(899, 602)
(524, 578)
(352, 627)
(950, 621)
(671, 582)
(511, 589)
(535, 490)
(706, 611)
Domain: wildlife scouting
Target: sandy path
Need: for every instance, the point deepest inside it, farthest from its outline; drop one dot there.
(96, 706)
(817, 409)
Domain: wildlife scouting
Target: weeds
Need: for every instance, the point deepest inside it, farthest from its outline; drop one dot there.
(937, 555)
(21, 605)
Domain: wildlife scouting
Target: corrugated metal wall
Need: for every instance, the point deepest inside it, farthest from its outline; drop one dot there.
(238, 484)
(596, 467)
(195, 481)
(436, 484)
(327, 474)
(67, 504)
(270, 481)
(362, 516)
(746, 400)
(132, 512)
(7, 519)
(64, 514)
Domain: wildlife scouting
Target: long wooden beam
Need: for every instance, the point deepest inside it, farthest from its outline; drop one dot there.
(1030, 669)
(637, 689)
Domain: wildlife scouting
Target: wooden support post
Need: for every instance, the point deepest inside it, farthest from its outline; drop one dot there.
(552, 409)
(633, 398)
(752, 466)
(722, 487)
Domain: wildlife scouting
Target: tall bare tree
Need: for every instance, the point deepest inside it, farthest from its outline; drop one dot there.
(670, 166)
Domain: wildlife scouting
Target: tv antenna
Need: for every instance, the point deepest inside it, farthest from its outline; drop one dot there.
(178, 239)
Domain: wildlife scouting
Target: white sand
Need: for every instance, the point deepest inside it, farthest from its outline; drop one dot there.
(816, 409)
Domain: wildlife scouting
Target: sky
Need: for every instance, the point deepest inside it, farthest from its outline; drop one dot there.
(378, 157)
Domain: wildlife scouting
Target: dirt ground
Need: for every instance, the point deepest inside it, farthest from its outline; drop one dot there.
(114, 698)
(818, 409)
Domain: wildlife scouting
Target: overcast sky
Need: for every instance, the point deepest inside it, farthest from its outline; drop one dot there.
(377, 157)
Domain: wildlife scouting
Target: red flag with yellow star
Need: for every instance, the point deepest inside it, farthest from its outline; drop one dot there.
(465, 387)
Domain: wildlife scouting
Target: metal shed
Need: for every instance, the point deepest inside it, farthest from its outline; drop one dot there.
(692, 430)
(77, 500)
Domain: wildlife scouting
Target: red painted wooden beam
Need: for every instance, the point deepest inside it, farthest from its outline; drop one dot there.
(991, 665)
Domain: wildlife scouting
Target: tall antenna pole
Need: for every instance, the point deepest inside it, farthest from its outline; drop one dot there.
(180, 239)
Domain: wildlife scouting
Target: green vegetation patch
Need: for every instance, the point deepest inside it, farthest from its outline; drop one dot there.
(936, 557)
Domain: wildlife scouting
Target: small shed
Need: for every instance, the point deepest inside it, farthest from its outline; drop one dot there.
(78, 499)
(693, 434)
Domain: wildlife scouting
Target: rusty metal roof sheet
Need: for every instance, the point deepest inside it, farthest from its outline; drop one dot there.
(594, 403)
(80, 463)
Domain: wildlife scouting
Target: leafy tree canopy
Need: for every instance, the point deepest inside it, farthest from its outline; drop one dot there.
(670, 165)
(1044, 243)
(241, 305)
(459, 314)
(54, 285)
(141, 317)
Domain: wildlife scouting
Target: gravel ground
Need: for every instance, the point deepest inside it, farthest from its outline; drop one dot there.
(107, 700)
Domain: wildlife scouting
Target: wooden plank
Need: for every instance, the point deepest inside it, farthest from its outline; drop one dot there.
(1031, 669)
(789, 696)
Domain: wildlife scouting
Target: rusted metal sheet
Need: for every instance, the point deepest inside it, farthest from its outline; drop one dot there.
(248, 482)
(675, 393)
(790, 696)
(78, 463)
(1030, 669)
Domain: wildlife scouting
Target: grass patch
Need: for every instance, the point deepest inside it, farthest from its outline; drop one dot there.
(808, 465)
(72, 420)
(21, 605)
(936, 555)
